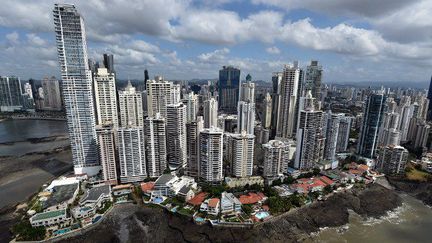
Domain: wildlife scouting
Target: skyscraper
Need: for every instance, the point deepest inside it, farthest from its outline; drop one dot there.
(228, 87)
(276, 101)
(146, 78)
(241, 154)
(108, 61)
(246, 117)
(10, 94)
(107, 154)
(155, 141)
(52, 97)
(313, 79)
(176, 134)
(159, 96)
(210, 113)
(130, 104)
(373, 115)
(429, 96)
(106, 98)
(246, 108)
(310, 140)
(191, 102)
(290, 91)
(77, 87)
(392, 159)
(267, 111)
(210, 155)
(332, 123)
(132, 159)
(277, 155)
(343, 134)
(193, 129)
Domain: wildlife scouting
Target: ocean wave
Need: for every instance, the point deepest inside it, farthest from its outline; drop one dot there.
(392, 216)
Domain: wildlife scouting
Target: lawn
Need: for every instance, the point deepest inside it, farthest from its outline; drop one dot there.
(417, 175)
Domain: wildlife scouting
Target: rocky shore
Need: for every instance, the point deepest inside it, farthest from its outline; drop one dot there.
(135, 223)
(420, 190)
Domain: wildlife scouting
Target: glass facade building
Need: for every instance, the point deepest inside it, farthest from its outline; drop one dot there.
(77, 87)
(228, 87)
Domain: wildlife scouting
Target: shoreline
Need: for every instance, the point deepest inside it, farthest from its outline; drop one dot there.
(295, 225)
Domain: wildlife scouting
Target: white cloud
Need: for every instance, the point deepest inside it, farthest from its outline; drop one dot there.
(273, 50)
(214, 56)
(13, 37)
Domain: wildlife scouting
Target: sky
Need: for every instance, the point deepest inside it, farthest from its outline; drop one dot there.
(354, 40)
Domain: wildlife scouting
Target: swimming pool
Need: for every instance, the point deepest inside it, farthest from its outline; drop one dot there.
(199, 219)
(61, 231)
(157, 200)
(262, 215)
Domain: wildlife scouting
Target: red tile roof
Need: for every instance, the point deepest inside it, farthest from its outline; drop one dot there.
(213, 202)
(146, 187)
(251, 198)
(326, 180)
(363, 168)
(198, 199)
(355, 172)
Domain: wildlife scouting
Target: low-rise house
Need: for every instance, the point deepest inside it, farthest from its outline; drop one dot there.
(198, 199)
(186, 193)
(293, 172)
(213, 206)
(61, 196)
(122, 190)
(83, 212)
(169, 185)
(283, 190)
(252, 198)
(306, 185)
(328, 164)
(243, 181)
(229, 203)
(96, 196)
(147, 188)
(426, 162)
(51, 218)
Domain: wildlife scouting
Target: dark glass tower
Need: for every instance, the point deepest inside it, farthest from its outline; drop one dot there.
(108, 61)
(372, 118)
(146, 77)
(228, 87)
(429, 115)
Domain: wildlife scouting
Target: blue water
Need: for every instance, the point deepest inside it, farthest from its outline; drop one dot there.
(199, 219)
(262, 215)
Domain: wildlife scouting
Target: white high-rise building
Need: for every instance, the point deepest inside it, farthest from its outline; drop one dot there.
(193, 130)
(107, 154)
(211, 155)
(332, 123)
(267, 111)
(176, 134)
(277, 155)
(175, 94)
(160, 93)
(290, 91)
(241, 154)
(77, 88)
(131, 110)
(156, 149)
(191, 102)
(392, 159)
(106, 98)
(246, 117)
(132, 159)
(210, 113)
(28, 90)
(247, 92)
(310, 141)
(406, 113)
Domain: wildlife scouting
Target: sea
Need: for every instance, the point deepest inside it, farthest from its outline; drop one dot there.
(14, 133)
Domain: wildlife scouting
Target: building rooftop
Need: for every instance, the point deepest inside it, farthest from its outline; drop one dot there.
(251, 198)
(184, 190)
(198, 199)
(213, 202)
(60, 194)
(147, 186)
(164, 179)
(94, 193)
(47, 215)
(121, 187)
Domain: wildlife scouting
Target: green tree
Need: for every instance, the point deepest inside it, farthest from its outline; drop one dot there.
(25, 232)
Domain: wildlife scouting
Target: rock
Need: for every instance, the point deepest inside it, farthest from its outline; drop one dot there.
(133, 223)
(419, 190)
